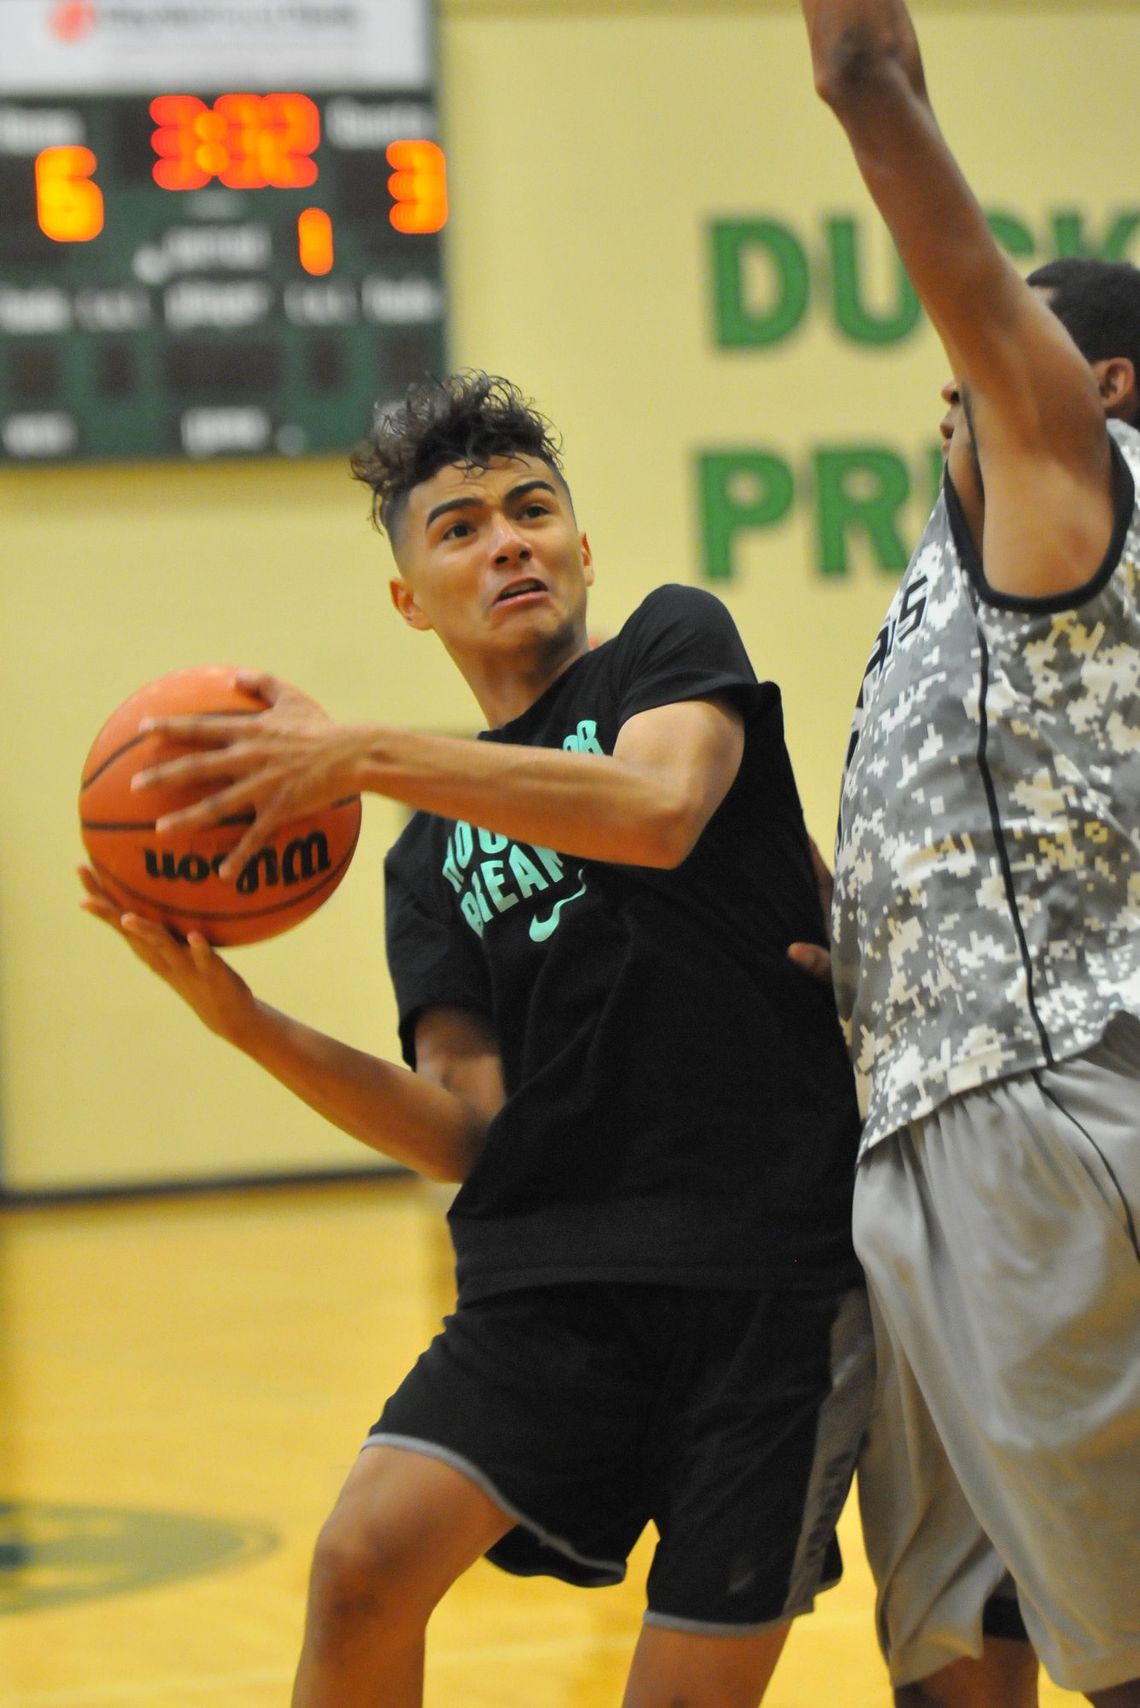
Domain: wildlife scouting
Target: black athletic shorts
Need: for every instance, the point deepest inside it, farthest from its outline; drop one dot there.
(729, 1419)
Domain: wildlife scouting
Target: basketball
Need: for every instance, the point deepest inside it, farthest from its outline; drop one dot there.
(174, 879)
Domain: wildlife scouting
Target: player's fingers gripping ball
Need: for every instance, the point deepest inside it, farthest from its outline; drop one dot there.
(174, 878)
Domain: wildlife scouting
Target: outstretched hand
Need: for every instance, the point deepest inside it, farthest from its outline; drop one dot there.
(220, 999)
(814, 958)
(277, 765)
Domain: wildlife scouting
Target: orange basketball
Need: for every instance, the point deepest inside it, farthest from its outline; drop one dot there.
(174, 879)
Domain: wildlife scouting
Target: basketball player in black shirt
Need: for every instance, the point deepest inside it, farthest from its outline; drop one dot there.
(648, 1106)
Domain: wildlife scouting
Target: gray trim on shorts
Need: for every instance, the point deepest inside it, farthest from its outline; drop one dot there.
(838, 1440)
(614, 1569)
(702, 1628)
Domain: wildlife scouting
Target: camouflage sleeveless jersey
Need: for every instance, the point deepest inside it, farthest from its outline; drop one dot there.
(987, 901)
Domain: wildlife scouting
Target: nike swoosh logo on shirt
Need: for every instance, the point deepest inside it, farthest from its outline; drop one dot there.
(541, 929)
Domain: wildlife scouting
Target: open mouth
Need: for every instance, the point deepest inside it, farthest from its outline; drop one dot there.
(519, 590)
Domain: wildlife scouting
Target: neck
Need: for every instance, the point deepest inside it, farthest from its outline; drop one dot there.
(507, 689)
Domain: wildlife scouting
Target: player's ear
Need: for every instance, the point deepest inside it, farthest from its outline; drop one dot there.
(405, 602)
(1117, 383)
(587, 560)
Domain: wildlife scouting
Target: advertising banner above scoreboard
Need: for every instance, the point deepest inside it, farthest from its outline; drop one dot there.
(120, 46)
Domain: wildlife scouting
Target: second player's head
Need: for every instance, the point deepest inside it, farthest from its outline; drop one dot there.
(1098, 304)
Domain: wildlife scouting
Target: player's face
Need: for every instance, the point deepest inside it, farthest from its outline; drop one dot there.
(493, 561)
(959, 450)
(948, 425)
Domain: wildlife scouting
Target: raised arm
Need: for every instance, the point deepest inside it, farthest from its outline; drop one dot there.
(1032, 401)
(646, 804)
(433, 1120)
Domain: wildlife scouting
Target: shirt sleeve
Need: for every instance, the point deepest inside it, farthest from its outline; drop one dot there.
(682, 644)
(434, 957)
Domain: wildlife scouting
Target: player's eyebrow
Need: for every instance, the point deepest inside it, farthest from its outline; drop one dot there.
(526, 486)
(516, 492)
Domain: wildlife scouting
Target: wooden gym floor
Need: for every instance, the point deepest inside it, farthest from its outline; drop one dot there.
(183, 1384)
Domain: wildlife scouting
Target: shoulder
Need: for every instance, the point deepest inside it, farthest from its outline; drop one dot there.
(678, 619)
(1113, 581)
(676, 602)
(683, 644)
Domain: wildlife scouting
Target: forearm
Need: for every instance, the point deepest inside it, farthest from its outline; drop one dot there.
(387, 1107)
(868, 69)
(645, 804)
(594, 806)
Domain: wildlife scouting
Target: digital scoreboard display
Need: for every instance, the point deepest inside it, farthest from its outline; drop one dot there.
(202, 267)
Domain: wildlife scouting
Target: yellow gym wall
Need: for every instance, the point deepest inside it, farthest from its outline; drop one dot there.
(593, 149)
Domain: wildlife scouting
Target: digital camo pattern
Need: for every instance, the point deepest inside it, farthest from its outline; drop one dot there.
(987, 901)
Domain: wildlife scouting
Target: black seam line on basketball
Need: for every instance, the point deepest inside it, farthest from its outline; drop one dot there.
(238, 712)
(1052, 1098)
(150, 823)
(215, 824)
(239, 914)
(999, 839)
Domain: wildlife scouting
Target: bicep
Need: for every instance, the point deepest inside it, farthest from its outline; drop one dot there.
(456, 1048)
(694, 747)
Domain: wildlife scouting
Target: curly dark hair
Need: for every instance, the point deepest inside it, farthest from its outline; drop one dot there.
(467, 418)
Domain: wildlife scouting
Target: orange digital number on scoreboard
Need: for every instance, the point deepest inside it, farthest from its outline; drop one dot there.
(418, 186)
(69, 207)
(246, 142)
(315, 240)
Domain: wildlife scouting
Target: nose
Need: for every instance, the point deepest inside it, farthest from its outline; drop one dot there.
(950, 394)
(507, 544)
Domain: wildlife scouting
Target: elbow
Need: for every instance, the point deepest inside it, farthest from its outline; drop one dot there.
(454, 1164)
(675, 850)
(671, 838)
(450, 1170)
(853, 67)
(445, 1172)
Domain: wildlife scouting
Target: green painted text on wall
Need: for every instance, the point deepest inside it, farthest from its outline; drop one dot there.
(859, 492)
(765, 275)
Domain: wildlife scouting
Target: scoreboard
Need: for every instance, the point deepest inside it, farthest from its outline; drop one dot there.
(220, 225)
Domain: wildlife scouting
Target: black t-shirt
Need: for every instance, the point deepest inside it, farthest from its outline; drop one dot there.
(679, 1103)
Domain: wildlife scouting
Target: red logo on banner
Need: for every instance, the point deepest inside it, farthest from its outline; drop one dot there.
(72, 19)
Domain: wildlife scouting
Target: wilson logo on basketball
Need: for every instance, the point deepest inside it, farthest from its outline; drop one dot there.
(301, 860)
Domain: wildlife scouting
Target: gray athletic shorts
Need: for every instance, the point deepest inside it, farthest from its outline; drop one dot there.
(999, 1237)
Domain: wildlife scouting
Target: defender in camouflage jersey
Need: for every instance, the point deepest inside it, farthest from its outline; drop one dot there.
(987, 886)
(986, 949)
